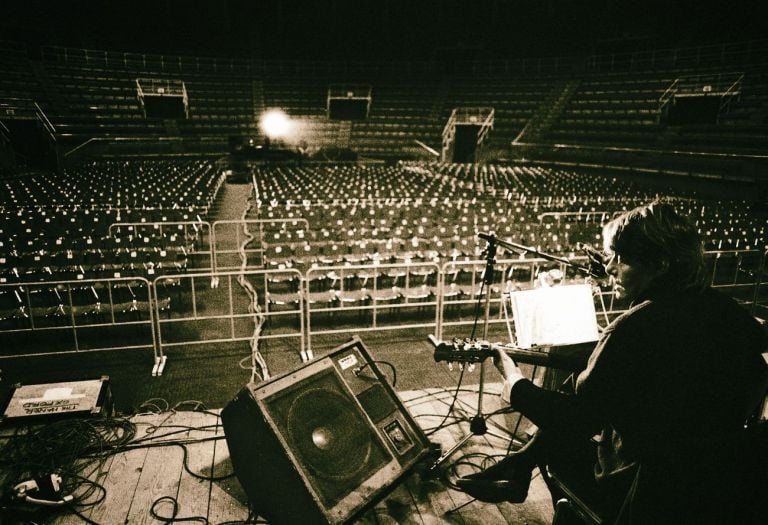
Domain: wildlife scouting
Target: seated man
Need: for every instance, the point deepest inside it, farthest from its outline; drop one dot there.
(664, 397)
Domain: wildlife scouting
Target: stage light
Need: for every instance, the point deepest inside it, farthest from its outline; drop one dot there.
(275, 124)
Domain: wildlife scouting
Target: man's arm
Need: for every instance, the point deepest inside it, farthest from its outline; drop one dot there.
(546, 408)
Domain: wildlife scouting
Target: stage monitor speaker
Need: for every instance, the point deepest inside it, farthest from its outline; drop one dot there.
(322, 443)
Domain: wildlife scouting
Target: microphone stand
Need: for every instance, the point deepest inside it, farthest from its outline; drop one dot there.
(477, 425)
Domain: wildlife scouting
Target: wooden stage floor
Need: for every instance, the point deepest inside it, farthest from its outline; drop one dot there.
(135, 479)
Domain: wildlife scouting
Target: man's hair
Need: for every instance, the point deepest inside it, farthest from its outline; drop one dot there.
(655, 235)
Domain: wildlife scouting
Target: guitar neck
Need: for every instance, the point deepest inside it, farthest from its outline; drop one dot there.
(552, 358)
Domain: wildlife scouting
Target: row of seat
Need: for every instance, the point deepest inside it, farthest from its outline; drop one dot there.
(69, 225)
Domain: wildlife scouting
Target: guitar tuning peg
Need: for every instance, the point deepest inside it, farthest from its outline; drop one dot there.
(471, 367)
(461, 366)
(450, 366)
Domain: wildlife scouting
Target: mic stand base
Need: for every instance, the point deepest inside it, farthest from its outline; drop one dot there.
(477, 426)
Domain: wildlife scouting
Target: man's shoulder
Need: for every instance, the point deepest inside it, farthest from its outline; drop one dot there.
(637, 313)
(706, 303)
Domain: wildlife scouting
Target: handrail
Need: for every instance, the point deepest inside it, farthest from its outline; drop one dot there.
(645, 150)
(92, 139)
(301, 313)
(486, 126)
(734, 86)
(108, 138)
(449, 125)
(558, 214)
(433, 151)
(714, 54)
(668, 95)
(732, 91)
(5, 133)
(216, 252)
(49, 124)
(224, 309)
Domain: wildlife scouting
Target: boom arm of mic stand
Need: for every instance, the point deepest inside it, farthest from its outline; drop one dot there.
(514, 246)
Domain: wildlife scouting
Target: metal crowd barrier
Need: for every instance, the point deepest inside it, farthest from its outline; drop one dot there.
(195, 309)
(234, 251)
(370, 297)
(87, 315)
(175, 227)
(227, 307)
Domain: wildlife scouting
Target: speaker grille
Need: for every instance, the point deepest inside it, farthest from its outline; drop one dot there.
(324, 428)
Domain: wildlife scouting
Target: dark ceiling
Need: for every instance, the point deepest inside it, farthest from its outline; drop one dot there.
(383, 29)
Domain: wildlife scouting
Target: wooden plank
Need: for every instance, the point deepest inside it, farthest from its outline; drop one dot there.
(431, 492)
(194, 493)
(444, 500)
(99, 476)
(136, 478)
(159, 476)
(398, 507)
(537, 508)
(122, 480)
(228, 499)
(476, 512)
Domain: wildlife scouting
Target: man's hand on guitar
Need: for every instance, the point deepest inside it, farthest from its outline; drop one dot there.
(509, 371)
(506, 366)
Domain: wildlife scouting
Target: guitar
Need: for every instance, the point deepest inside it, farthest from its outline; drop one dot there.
(463, 351)
(477, 351)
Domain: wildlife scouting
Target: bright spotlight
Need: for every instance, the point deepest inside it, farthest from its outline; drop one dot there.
(275, 124)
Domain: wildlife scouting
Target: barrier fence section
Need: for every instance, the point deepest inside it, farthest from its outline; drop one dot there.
(86, 315)
(228, 255)
(463, 293)
(371, 297)
(157, 238)
(228, 307)
(740, 274)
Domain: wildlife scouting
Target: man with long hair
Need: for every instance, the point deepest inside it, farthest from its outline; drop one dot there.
(654, 429)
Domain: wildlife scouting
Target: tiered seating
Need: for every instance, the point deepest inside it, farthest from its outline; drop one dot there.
(400, 113)
(613, 110)
(218, 105)
(98, 98)
(93, 94)
(625, 110)
(18, 81)
(515, 102)
(742, 125)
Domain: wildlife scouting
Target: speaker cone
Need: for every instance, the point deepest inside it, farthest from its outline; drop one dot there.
(328, 434)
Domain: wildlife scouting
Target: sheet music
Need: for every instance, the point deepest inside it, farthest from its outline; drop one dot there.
(558, 315)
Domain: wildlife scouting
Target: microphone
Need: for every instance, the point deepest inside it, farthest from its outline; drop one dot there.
(490, 237)
(596, 261)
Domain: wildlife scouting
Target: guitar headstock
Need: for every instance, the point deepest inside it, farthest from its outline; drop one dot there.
(461, 351)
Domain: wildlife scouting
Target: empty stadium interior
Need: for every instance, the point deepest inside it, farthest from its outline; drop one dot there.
(152, 231)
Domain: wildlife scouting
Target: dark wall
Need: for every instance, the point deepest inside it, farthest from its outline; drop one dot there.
(366, 29)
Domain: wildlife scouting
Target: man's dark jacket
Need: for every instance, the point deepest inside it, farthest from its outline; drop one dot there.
(668, 389)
